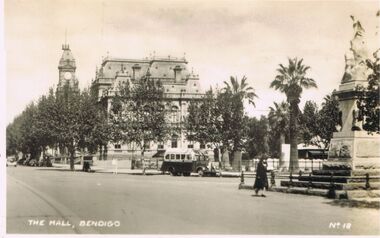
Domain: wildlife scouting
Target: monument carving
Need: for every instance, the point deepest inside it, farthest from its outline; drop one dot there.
(355, 58)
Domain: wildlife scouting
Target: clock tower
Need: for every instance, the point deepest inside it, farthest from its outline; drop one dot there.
(67, 69)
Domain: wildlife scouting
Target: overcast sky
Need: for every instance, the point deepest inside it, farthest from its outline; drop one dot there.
(220, 38)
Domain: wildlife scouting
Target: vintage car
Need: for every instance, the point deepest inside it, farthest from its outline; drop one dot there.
(11, 161)
(184, 162)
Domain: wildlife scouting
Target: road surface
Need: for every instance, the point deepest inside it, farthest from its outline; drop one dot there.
(50, 201)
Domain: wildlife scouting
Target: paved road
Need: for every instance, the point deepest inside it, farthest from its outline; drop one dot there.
(53, 201)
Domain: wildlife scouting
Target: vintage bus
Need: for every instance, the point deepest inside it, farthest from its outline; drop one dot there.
(186, 161)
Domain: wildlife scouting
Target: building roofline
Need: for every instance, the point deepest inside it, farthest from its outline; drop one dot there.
(145, 61)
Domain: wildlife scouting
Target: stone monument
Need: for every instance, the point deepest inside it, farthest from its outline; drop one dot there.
(351, 147)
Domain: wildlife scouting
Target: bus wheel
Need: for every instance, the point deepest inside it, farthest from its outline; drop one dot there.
(200, 172)
(171, 171)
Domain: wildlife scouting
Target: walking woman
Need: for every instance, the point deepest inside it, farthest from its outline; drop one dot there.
(261, 181)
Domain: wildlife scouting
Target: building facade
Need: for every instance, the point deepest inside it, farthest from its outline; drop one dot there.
(181, 86)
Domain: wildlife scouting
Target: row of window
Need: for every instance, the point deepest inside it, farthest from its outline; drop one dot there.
(174, 144)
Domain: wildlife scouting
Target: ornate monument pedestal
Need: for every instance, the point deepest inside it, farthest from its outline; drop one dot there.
(354, 150)
(353, 164)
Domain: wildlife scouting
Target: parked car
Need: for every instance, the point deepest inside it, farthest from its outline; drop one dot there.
(21, 161)
(45, 162)
(12, 162)
(32, 162)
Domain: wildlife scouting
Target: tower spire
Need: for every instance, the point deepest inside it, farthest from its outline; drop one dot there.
(65, 46)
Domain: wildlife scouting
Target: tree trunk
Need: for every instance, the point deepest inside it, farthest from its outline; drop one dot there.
(226, 159)
(100, 152)
(236, 162)
(105, 151)
(293, 166)
(220, 157)
(282, 141)
(72, 157)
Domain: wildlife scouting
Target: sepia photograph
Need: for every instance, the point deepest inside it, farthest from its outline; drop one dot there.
(190, 117)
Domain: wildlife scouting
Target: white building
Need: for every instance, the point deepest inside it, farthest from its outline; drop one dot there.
(181, 86)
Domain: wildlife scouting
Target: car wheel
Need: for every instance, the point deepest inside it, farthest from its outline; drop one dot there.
(171, 171)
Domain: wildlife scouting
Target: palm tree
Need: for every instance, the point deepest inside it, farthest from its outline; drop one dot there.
(279, 121)
(242, 89)
(291, 80)
(237, 93)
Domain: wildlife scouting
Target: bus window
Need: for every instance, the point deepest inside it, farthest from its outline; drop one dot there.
(183, 157)
(172, 157)
(177, 157)
(188, 157)
(167, 157)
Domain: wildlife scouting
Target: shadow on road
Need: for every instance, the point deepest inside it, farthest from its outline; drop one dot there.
(353, 203)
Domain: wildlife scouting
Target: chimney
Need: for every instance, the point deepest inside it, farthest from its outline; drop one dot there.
(136, 71)
(177, 74)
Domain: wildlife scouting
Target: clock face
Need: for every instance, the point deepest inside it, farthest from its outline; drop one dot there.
(67, 75)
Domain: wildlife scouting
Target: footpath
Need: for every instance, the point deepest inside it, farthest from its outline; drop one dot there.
(107, 169)
(361, 199)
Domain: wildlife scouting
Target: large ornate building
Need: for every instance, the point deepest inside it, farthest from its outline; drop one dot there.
(181, 86)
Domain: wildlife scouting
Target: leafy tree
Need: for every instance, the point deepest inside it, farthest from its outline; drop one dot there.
(291, 80)
(29, 132)
(94, 130)
(14, 136)
(203, 123)
(138, 114)
(257, 136)
(309, 122)
(44, 125)
(328, 118)
(368, 101)
(66, 120)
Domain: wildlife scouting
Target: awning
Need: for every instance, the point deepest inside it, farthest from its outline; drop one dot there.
(317, 154)
(159, 154)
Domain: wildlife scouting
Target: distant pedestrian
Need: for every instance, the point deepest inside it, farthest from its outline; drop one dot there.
(261, 181)
(115, 164)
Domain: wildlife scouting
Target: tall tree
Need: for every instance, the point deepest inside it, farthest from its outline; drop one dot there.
(234, 95)
(66, 120)
(278, 118)
(138, 114)
(204, 121)
(291, 80)
(94, 130)
(328, 118)
(309, 122)
(257, 136)
(368, 102)
(14, 136)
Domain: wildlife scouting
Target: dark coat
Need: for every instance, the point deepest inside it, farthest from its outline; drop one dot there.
(261, 181)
